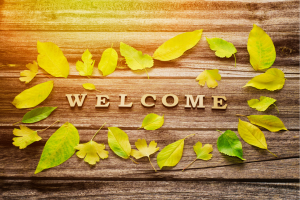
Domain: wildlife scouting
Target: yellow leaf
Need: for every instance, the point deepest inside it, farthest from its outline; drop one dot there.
(92, 152)
(26, 137)
(28, 75)
(210, 77)
(108, 62)
(89, 86)
(33, 96)
(86, 67)
(144, 150)
(52, 59)
(176, 46)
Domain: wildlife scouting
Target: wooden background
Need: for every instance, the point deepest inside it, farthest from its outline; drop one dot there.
(77, 25)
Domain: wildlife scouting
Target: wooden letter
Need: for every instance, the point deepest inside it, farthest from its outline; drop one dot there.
(189, 98)
(165, 103)
(143, 100)
(76, 101)
(101, 101)
(218, 102)
(122, 104)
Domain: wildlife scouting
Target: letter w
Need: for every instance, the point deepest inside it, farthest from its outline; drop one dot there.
(76, 101)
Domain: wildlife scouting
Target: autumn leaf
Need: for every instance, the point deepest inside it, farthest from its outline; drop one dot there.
(176, 46)
(222, 48)
(210, 77)
(26, 136)
(108, 62)
(171, 154)
(152, 122)
(270, 122)
(33, 96)
(203, 153)
(28, 75)
(92, 151)
(89, 86)
(261, 49)
(144, 150)
(52, 59)
(262, 104)
(272, 79)
(37, 114)
(86, 67)
(229, 144)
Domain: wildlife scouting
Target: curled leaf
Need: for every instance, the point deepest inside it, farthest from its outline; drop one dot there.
(26, 136)
(152, 122)
(210, 77)
(28, 75)
(270, 122)
(262, 104)
(86, 67)
(108, 62)
(37, 114)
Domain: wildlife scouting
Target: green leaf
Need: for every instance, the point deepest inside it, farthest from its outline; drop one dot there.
(210, 77)
(270, 122)
(262, 104)
(222, 47)
(171, 154)
(261, 49)
(176, 46)
(108, 62)
(118, 142)
(52, 59)
(37, 114)
(33, 96)
(152, 122)
(272, 79)
(86, 67)
(26, 137)
(59, 147)
(229, 144)
(28, 75)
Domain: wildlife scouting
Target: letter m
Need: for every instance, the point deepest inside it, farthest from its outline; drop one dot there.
(190, 99)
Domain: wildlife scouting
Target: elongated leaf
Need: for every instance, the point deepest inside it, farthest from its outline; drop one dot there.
(262, 104)
(59, 147)
(52, 59)
(176, 46)
(108, 62)
(272, 79)
(28, 75)
(152, 122)
(26, 136)
(118, 142)
(33, 96)
(37, 114)
(86, 67)
(270, 122)
(89, 86)
(261, 49)
(210, 77)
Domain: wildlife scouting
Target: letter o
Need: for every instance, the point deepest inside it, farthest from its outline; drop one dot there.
(165, 103)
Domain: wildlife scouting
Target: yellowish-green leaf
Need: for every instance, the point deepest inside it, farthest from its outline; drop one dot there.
(26, 136)
(33, 96)
(262, 104)
(37, 114)
(261, 49)
(176, 46)
(108, 62)
(270, 122)
(272, 79)
(89, 86)
(118, 142)
(152, 122)
(86, 67)
(210, 77)
(28, 75)
(91, 152)
(52, 59)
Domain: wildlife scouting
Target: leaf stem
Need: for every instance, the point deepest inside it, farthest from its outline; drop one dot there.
(241, 115)
(17, 123)
(146, 73)
(98, 131)
(220, 131)
(133, 160)
(98, 90)
(189, 164)
(234, 60)
(189, 135)
(152, 164)
(276, 107)
(271, 153)
(48, 126)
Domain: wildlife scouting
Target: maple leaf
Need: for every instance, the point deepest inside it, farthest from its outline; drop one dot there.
(28, 75)
(26, 136)
(86, 67)
(210, 77)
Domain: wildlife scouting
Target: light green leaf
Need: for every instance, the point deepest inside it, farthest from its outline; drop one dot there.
(108, 62)
(270, 122)
(52, 59)
(210, 77)
(28, 75)
(272, 79)
(152, 121)
(86, 67)
(261, 49)
(37, 114)
(59, 147)
(33, 96)
(26, 137)
(262, 104)
(176, 46)
(118, 142)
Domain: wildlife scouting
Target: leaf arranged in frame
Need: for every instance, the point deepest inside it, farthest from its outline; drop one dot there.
(59, 147)
(26, 136)
(270, 122)
(152, 121)
(261, 49)
(171, 154)
(89, 86)
(118, 142)
(33, 96)
(229, 144)
(272, 79)
(222, 47)
(176, 46)
(108, 62)
(144, 150)
(52, 59)
(37, 114)
(28, 75)
(252, 135)
(210, 77)
(262, 104)
(86, 67)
